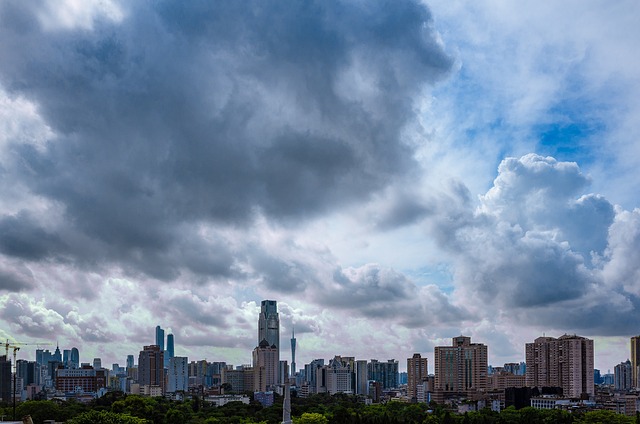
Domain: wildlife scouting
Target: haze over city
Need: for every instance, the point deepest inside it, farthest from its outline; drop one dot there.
(394, 174)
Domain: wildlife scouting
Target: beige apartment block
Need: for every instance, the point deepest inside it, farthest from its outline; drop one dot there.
(565, 362)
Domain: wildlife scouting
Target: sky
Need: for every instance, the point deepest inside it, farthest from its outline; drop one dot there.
(394, 174)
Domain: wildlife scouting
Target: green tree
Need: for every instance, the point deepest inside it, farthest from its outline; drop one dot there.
(105, 417)
(311, 418)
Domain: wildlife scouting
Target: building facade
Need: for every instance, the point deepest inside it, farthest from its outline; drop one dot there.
(178, 374)
(151, 367)
(565, 362)
(622, 376)
(265, 365)
(635, 361)
(460, 369)
(417, 372)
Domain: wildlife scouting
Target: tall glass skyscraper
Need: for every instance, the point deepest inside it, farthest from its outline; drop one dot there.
(269, 323)
(160, 338)
(75, 358)
(269, 333)
(170, 352)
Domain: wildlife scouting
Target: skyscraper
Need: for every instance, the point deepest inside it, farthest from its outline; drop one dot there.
(565, 362)
(269, 330)
(129, 361)
(151, 367)
(417, 371)
(269, 323)
(265, 365)
(293, 353)
(75, 358)
(178, 374)
(635, 361)
(170, 350)
(160, 338)
(460, 368)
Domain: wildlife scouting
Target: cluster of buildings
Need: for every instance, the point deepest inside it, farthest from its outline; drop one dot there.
(558, 373)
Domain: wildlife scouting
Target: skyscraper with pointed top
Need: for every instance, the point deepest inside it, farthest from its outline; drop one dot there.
(293, 352)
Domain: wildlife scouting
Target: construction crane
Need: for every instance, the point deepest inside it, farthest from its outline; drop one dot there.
(16, 347)
(10, 345)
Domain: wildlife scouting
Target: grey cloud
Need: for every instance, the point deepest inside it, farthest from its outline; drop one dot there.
(175, 116)
(33, 319)
(383, 293)
(15, 277)
(22, 237)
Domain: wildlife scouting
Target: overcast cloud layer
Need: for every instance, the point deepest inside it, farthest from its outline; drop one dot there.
(368, 165)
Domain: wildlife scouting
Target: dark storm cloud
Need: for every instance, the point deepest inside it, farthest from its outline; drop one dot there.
(15, 277)
(194, 112)
(22, 237)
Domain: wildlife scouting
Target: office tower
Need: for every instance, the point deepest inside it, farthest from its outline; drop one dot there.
(57, 356)
(293, 353)
(160, 338)
(460, 368)
(66, 357)
(178, 374)
(338, 376)
(635, 361)
(385, 373)
(129, 361)
(28, 371)
(269, 323)
(151, 366)
(565, 362)
(310, 372)
(170, 350)
(417, 372)
(265, 365)
(5, 378)
(362, 379)
(269, 328)
(74, 358)
(97, 363)
(86, 377)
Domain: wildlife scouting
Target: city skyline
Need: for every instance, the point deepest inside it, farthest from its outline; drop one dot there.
(394, 176)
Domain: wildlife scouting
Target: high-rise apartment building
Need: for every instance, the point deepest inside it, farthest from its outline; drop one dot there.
(178, 374)
(635, 361)
(565, 362)
(622, 376)
(417, 372)
(460, 368)
(5, 379)
(265, 365)
(151, 366)
(160, 337)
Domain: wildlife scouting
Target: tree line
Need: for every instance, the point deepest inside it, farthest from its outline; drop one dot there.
(120, 408)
